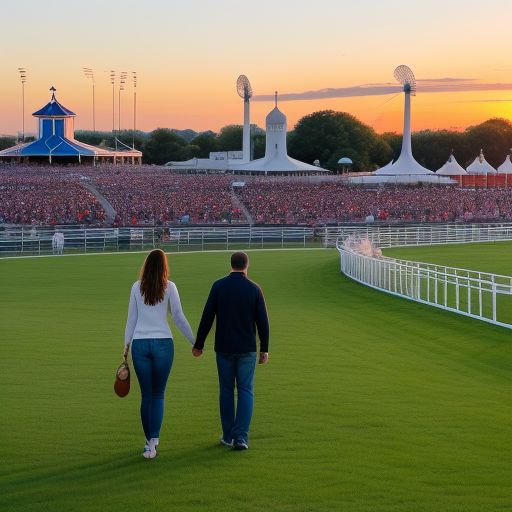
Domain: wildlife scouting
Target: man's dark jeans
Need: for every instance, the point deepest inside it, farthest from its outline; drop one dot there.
(236, 370)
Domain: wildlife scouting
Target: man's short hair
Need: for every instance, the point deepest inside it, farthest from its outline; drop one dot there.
(239, 261)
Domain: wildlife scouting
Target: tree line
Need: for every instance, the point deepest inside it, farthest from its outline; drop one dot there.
(325, 136)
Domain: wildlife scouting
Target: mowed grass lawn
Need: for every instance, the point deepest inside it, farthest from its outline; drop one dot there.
(369, 402)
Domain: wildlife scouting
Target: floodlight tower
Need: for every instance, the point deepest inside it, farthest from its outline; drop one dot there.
(122, 82)
(405, 76)
(134, 76)
(23, 79)
(113, 83)
(89, 74)
(406, 164)
(244, 89)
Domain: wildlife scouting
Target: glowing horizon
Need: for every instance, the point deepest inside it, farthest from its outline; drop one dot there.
(188, 59)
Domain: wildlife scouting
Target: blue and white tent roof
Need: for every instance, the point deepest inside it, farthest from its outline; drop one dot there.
(54, 109)
(56, 138)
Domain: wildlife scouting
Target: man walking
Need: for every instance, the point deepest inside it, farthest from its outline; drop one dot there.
(239, 307)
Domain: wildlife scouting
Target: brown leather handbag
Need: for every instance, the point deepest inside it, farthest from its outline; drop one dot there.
(122, 382)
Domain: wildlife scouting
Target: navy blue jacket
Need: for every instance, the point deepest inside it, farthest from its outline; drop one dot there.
(239, 307)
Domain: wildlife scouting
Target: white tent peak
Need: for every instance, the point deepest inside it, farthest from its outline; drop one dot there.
(451, 167)
(480, 165)
(506, 166)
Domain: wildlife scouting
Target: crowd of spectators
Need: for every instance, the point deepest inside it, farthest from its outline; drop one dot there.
(150, 195)
(45, 196)
(272, 202)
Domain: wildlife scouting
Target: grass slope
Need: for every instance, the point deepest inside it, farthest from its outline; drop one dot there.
(369, 402)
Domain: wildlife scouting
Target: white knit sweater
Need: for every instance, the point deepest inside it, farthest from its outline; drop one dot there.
(151, 321)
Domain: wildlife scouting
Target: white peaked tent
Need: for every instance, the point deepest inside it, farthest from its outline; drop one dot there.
(506, 166)
(481, 165)
(451, 168)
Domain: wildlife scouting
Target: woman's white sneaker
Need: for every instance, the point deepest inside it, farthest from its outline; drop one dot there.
(150, 448)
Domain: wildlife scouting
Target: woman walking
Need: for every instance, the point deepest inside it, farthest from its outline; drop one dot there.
(150, 337)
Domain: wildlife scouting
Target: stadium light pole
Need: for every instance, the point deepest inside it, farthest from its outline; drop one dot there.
(122, 82)
(134, 76)
(113, 83)
(89, 74)
(23, 78)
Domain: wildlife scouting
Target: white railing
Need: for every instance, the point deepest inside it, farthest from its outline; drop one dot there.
(430, 234)
(15, 241)
(479, 295)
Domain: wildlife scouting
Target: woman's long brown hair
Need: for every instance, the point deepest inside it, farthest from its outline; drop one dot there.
(153, 277)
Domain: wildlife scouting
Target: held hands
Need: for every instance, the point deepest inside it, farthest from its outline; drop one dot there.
(126, 351)
(196, 352)
(263, 359)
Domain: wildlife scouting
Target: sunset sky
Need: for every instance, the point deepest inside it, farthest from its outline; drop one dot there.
(188, 55)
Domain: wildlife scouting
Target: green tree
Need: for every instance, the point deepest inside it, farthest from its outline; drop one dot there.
(7, 142)
(432, 148)
(107, 139)
(494, 136)
(163, 145)
(230, 138)
(207, 143)
(323, 135)
(187, 152)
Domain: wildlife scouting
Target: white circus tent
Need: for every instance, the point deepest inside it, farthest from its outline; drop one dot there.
(451, 168)
(480, 165)
(506, 166)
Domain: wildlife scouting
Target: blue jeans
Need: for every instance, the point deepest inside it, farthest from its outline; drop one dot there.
(236, 369)
(152, 360)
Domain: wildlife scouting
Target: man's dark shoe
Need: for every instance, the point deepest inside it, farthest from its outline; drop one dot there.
(240, 444)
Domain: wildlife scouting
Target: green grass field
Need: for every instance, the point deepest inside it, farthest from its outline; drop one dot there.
(369, 402)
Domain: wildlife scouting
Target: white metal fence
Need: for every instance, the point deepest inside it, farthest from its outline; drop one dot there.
(479, 295)
(16, 241)
(425, 234)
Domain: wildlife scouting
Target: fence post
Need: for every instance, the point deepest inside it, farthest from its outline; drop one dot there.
(494, 313)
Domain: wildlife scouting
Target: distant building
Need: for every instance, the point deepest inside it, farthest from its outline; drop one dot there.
(56, 142)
